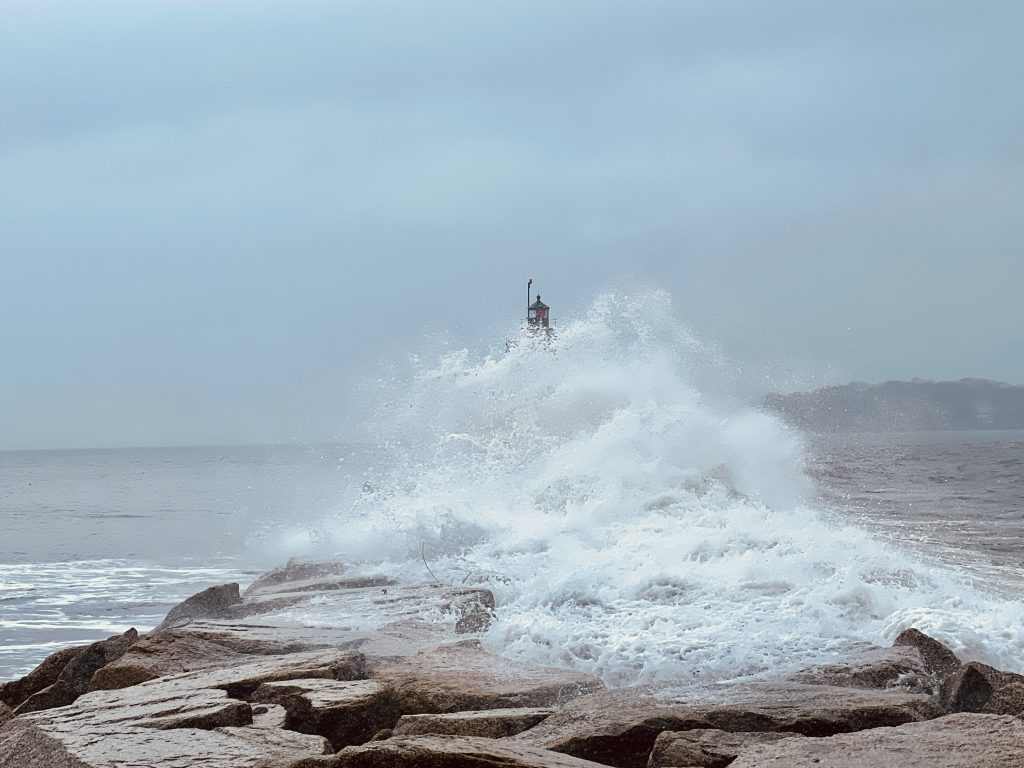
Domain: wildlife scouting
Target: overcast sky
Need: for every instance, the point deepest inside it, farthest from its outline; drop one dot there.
(215, 217)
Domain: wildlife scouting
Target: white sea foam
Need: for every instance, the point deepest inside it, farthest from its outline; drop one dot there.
(632, 523)
(48, 606)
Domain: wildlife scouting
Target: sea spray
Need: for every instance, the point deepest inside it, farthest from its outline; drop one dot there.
(632, 521)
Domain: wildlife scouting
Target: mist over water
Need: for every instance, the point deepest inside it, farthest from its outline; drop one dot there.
(633, 520)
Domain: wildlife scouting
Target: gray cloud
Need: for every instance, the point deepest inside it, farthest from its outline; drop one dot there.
(214, 217)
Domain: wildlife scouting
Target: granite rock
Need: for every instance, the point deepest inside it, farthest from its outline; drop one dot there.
(457, 678)
(76, 676)
(977, 687)
(706, 748)
(343, 712)
(487, 723)
(620, 727)
(292, 571)
(176, 651)
(954, 741)
(15, 692)
(213, 603)
(446, 752)
(870, 666)
(153, 725)
(939, 661)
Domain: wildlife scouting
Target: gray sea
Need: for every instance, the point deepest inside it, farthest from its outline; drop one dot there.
(95, 541)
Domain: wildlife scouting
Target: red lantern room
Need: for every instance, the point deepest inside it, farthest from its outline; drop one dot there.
(538, 314)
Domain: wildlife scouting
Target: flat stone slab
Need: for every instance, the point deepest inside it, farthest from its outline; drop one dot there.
(242, 680)
(955, 741)
(870, 666)
(487, 723)
(149, 726)
(460, 678)
(620, 727)
(175, 652)
(25, 745)
(380, 621)
(706, 748)
(449, 752)
(343, 712)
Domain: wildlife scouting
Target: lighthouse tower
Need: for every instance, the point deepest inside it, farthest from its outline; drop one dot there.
(538, 314)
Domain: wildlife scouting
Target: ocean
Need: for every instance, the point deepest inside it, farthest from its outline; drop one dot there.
(634, 519)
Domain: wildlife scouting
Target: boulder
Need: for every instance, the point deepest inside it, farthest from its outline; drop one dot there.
(213, 603)
(977, 687)
(241, 681)
(870, 666)
(24, 746)
(955, 741)
(474, 621)
(476, 610)
(487, 723)
(176, 651)
(294, 570)
(153, 725)
(343, 712)
(446, 752)
(1006, 700)
(456, 678)
(15, 692)
(74, 679)
(970, 687)
(291, 588)
(706, 748)
(939, 661)
(620, 727)
(5, 713)
(385, 621)
(27, 745)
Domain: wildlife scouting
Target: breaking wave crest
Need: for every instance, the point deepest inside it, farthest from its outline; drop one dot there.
(633, 522)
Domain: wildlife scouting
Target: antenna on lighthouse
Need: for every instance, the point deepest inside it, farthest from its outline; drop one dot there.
(528, 284)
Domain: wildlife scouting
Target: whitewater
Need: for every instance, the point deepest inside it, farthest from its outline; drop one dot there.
(633, 517)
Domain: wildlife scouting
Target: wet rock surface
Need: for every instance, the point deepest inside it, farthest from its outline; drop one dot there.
(233, 681)
(242, 680)
(457, 678)
(292, 571)
(213, 603)
(489, 723)
(450, 752)
(939, 661)
(155, 724)
(955, 741)
(343, 712)
(977, 687)
(15, 692)
(620, 727)
(867, 666)
(173, 652)
(76, 676)
(706, 748)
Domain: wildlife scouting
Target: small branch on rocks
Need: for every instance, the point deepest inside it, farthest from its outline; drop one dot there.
(423, 554)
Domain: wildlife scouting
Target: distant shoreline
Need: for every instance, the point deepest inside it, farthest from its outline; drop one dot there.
(966, 405)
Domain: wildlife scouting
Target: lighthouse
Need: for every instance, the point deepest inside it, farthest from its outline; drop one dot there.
(538, 314)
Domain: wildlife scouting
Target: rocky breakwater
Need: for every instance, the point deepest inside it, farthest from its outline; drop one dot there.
(232, 681)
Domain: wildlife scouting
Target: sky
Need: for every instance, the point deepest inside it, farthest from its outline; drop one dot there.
(218, 217)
